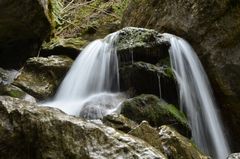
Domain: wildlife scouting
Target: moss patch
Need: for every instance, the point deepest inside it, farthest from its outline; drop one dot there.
(157, 112)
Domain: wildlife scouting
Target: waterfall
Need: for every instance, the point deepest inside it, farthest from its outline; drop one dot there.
(159, 85)
(196, 99)
(93, 76)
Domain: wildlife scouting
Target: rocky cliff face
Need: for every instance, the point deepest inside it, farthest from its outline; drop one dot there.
(24, 25)
(213, 28)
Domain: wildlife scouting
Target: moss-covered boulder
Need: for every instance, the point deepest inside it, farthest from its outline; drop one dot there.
(119, 122)
(157, 112)
(139, 44)
(213, 28)
(31, 131)
(177, 146)
(78, 22)
(24, 25)
(40, 76)
(141, 77)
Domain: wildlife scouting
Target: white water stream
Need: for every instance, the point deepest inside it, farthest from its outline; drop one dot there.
(197, 100)
(87, 90)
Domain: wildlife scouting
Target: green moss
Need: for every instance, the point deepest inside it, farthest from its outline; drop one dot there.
(155, 111)
(16, 93)
(173, 111)
(164, 62)
(169, 72)
(12, 91)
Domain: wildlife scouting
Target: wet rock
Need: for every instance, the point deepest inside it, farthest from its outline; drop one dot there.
(234, 156)
(119, 122)
(155, 111)
(23, 25)
(149, 134)
(213, 28)
(7, 76)
(13, 91)
(41, 76)
(138, 44)
(168, 140)
(31, 131)
(141, 77)
(177, 146)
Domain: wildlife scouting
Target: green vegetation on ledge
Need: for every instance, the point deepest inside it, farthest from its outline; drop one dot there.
(78, 22)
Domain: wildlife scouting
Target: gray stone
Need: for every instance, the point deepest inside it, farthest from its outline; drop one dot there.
(41, 76)
(31, 131)
(177, 146)
(138, 44)
(119, 122)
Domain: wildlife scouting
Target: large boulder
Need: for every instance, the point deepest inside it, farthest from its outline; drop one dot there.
(139, 44)
(169, 141)
(213, 28)
(177, 146)
(24, 24)
(31, 131)
(41, 76)
(156, 111)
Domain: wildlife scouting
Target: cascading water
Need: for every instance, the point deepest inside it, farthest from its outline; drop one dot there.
(93, 76)
(196, 99)
(88, 88)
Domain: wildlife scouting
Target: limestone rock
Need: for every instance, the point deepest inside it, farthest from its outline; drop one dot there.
(119, 122)
(213, 28)
(149, 134)
(155, 111)
(41, 76)
(31, 131)
(141, 77)
(177, 146)
(139, 44)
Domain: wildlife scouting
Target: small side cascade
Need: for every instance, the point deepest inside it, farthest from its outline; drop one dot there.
(196, 99)
(159, 85)
(131, 51)
(93, 76)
